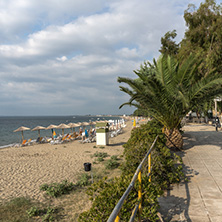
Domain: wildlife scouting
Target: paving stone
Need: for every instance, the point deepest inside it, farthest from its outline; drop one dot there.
(199, 200)
(199, 219)
(216, 219)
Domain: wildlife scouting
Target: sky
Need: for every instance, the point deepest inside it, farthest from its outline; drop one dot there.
(64, 57)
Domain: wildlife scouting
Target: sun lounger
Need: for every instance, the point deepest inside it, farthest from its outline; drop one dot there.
(24, 143)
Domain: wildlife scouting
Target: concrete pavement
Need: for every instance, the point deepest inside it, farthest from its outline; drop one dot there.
(199, 199)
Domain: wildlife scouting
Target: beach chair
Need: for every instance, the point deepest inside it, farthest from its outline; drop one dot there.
(24, 143)
(39, 139)
(29, 142)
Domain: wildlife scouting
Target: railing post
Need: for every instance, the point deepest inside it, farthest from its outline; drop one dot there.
(140, 194)
(117, 218)
(149, 166)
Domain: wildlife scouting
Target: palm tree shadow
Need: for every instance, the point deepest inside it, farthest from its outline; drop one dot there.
(202, 137)
(171, 206)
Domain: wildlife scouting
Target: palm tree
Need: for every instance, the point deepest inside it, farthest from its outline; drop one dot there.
(168, 89)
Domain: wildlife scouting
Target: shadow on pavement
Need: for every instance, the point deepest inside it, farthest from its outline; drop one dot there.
(171, 206)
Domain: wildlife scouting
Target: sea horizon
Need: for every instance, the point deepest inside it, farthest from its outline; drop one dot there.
(10, 123)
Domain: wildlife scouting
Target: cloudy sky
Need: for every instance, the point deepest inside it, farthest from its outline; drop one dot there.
(63, 57)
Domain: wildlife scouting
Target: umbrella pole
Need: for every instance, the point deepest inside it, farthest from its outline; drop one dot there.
(39, 132)
(22, 136)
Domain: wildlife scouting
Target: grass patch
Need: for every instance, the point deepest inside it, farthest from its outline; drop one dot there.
(15, 210)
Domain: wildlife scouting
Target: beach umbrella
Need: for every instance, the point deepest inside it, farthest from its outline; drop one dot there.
(63, 126)
(91, 124)
(85, 123)
(52, 127)
(101, 121)
(21, 129)
(38, 128)
(73, 125)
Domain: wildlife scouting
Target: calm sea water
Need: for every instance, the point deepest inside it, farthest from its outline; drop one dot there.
(9, 124)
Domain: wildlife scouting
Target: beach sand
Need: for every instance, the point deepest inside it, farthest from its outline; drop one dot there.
(23, 170)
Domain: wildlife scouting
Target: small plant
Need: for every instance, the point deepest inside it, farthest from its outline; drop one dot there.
(84, 180)
(114, 157)
(47, 214)
(57, 189)
(100, 159)
(33, 211)
(100, 154)
(102, 147)
(94, 146)
(111, 164)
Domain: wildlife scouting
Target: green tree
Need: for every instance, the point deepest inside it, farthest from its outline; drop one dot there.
(170, 91)
(169, 47)
(204, 35)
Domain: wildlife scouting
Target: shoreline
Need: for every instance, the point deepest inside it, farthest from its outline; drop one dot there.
(9, 124)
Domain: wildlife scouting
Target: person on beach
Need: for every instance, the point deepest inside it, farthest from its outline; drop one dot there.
(217, 123)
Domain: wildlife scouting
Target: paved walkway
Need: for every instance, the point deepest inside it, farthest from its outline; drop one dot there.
(200, 199)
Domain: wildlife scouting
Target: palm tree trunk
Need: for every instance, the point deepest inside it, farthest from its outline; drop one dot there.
(174, 138)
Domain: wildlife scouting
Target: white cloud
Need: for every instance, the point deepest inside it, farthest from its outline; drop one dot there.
(65, 56)
(62, 59)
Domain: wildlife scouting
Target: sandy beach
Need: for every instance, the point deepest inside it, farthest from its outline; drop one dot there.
(24, 169)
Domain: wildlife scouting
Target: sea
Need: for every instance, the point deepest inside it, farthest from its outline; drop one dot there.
(11, 123)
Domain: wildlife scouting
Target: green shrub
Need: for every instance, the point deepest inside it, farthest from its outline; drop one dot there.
(58, 189)
(166, 169)
(110, 192)
(111, 164)
(166, 165)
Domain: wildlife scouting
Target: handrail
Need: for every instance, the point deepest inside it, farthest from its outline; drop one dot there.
(118, 206)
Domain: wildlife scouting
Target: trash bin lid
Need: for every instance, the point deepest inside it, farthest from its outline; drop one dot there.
(102, 125)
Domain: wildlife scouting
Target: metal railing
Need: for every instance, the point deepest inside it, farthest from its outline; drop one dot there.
(114, 216)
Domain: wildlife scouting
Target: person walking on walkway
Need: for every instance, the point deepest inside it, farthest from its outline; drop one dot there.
(217, 123)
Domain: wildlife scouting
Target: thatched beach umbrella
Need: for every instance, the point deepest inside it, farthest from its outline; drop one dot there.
(21, 129)
(73, 125)
(38, 128)
(92, 123)
(101, 121)
(52, 127)
(63, 126)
